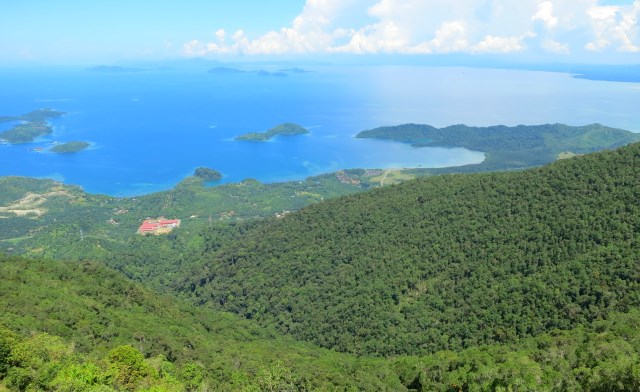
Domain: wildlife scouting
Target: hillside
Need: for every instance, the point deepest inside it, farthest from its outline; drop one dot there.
(508, 147)
(44, 218)
(78, 326)
(472, 263)
(87, 309)
(445, 262)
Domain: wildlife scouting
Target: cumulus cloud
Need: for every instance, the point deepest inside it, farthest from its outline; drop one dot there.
(439, 26)
(555, 46)
(615, 26)
(492, 44)
(545, 14)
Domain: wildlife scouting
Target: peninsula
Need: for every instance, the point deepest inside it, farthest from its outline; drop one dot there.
(70, 147)
(32, 125)
(506, 147)
(282, 129)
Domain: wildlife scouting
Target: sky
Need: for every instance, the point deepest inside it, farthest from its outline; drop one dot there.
(100, 31)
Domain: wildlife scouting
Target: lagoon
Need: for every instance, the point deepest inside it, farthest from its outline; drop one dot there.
(148, 130)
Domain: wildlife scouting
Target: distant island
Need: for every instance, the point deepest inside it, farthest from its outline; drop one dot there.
(114, 69)
(294, 70)
(225, 71)
(70, 147)
(33, 124)
(282, 129)
(261, 72)
(207, 174)
(506, 147)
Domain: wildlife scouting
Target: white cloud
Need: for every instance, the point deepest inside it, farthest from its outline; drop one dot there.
(545, 14)
(385, 37)
(627, 29)
(492, 44)
(440, 26)
(615, 26)
(555, 46)
(194, 48)
(450, 37)
(603, 12)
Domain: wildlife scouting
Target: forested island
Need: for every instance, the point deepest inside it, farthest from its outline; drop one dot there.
(70, 147)
(507, 147)
(294, 70)
(260, 72)
(225, 71)
(263, 72)
(282, 129)
(207, 174)
(33, 125)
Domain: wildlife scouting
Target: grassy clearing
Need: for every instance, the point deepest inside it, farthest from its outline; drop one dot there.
(391, 177)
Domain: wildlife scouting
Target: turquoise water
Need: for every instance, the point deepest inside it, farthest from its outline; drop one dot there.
(149, 130)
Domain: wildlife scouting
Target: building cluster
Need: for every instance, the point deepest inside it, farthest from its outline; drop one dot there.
(158, 226)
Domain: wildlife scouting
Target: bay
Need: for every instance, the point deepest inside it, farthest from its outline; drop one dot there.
(149, 130)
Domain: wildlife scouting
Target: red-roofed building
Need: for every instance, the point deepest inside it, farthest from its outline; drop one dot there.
(158, 226)
(170, 223)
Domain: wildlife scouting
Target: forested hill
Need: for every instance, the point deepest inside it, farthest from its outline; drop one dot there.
(508, 147)
(68, 326)
(445, 262)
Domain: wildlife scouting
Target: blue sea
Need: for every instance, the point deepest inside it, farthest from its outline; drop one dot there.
(148, 130)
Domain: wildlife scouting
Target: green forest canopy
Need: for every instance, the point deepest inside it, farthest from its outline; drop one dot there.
(508, 147)
(79, 326)
(281, 129)
(445, 262)
(33, 124)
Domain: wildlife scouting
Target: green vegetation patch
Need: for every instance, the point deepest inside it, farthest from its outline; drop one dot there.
(80, 326)
(132, 338)
(444, 262)
(282, 129)
(507, 147)
(70, 147)
(91, 226)
(33, 125)
(207, 174)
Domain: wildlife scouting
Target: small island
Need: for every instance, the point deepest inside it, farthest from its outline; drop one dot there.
(225, 71)
(33, 124)
(294, 70)
(262, 72)
(282, 129)
(70, 147)
(207, 174)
